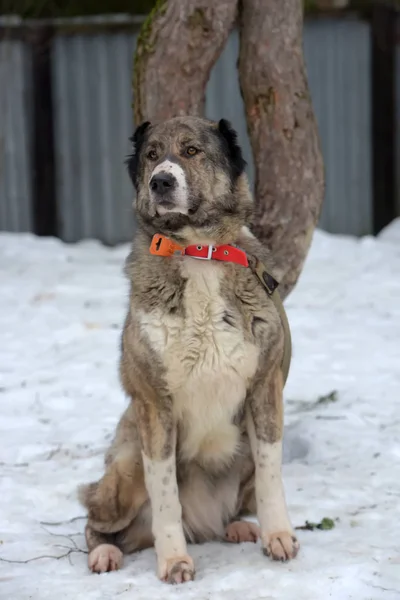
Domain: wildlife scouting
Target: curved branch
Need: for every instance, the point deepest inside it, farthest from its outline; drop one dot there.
(283, 132)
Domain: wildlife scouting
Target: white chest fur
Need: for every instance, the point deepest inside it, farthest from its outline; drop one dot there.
(208, 364)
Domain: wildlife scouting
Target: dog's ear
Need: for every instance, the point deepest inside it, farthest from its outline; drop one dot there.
(137, 142)
(229, 135)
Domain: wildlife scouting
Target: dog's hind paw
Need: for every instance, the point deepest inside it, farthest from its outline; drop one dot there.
(242, 531)
(104, 558)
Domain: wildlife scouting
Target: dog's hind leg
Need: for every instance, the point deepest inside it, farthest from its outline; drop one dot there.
(106, 550)
(114, 500)
(138, 535)
(239, 529)
(103, 556)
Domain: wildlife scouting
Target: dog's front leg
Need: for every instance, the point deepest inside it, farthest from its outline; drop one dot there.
(158, 437)
(265, 427)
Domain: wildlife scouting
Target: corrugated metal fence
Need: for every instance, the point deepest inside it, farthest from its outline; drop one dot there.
(93, 120)
(15, 137)
(337, 56)
(398, 128)
(338, 59)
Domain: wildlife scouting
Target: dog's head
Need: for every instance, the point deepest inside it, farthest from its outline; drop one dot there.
(190, 182)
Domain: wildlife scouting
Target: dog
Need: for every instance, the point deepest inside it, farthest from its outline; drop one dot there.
(202, 353)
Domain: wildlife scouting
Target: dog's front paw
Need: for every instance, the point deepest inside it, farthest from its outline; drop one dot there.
(104, 558)
(179, 569)
(282, 545)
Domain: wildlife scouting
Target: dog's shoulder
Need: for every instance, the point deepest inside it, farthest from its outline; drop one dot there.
(260, 317)
(253, 247)
(156, 283)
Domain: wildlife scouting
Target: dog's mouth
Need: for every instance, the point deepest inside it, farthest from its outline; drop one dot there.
(168, 218)
(197, 225)
(169, 205)
(166, 224)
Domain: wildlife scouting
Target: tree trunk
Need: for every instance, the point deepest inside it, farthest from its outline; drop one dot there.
(283, 132)
(177, 48)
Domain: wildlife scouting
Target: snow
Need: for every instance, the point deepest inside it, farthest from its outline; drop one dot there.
(61, 312)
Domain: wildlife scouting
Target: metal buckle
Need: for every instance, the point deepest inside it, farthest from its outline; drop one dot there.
(209, 254)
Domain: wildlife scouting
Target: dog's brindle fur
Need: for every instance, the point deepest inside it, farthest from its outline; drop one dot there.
(201, 441)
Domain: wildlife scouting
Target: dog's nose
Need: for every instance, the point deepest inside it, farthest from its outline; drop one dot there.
(162, 183)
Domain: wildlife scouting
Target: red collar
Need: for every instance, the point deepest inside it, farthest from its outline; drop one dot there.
(162, 246)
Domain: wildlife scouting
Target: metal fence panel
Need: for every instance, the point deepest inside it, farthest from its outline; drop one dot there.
(93, 121)
(337, 56)
(15, 137)
(398, 129)
(338, 59)
(92, 98)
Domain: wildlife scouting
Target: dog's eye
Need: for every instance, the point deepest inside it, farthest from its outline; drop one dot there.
(152, 155)
(191, 151)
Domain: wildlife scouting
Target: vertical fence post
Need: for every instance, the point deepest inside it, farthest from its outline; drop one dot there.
(45, 217)
(383, 29)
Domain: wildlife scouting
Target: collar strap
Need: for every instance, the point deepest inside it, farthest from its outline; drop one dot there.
(162, 246)
(269, 283)
(225, 253)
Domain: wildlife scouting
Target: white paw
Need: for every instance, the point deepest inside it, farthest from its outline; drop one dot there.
(282, 545)
(179, 569)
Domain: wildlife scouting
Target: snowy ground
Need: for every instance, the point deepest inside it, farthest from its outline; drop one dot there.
(61, 310)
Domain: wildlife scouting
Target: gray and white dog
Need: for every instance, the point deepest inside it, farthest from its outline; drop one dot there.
(200, 443)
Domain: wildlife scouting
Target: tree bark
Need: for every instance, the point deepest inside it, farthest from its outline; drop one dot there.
(283, 132)
(177, 48)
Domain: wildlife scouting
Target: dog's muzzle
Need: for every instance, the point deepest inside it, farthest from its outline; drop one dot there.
(168, 188)
(163, 186)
